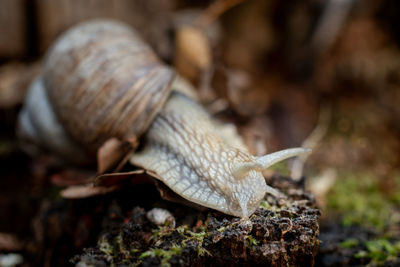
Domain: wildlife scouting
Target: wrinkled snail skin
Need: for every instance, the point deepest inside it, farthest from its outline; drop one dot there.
(193, 159)
(101, 81)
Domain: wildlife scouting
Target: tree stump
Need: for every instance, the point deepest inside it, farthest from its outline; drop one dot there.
(282, 232)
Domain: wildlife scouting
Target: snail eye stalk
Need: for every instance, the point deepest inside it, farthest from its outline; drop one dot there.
(240, 170)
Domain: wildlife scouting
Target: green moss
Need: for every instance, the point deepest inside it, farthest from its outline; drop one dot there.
(160, 232)
(196, 238)
(281, 168)
(252, 240)
(199, 237)
(349, 243)
(359, 199)
(222, 229)
(395, 196)
(116, 248)
(105, 247)
(163, 255)
(265, 205)
(379, 251)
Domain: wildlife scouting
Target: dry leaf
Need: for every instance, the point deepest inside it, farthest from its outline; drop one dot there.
(85, 191)
(111, 179)
(193, 53)
(113, 154)
(72, 177)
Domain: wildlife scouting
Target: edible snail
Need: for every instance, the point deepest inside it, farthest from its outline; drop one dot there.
(101, 81)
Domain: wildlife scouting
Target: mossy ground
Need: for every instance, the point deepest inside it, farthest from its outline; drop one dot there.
(361, 200)
(279, 233)
(368, 211)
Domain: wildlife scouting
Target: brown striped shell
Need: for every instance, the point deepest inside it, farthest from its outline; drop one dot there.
(103, 81)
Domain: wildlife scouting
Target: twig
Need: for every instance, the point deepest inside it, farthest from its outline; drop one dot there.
(311, 142)
(332, 19)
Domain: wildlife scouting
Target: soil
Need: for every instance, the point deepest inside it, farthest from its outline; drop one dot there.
(281, 232)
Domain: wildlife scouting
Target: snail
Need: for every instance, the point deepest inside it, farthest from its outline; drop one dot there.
(102, 82)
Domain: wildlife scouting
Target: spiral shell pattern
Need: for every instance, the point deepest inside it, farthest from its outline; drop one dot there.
(104, 81)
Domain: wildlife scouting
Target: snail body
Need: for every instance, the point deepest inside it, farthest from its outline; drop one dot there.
(101, 81)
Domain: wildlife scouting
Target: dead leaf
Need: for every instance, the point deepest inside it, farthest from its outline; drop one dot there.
(140, 177)
(72, 177)
(113, 154)
(111, 179)
(193, 52)
(85, 191)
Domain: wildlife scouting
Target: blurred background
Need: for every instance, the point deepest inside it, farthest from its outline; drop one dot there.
(318, 73)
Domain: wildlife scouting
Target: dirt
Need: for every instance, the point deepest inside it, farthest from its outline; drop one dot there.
(281, 232)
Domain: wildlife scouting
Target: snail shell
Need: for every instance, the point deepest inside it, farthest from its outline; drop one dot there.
(39, 128)
(102, 82)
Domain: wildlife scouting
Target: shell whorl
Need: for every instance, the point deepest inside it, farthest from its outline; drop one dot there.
(103, 81)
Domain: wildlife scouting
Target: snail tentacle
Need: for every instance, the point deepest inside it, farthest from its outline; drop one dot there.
(241, 169)
(270, 159)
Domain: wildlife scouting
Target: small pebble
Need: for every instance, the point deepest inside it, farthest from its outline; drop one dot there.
(11, 259)
(161, 217)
